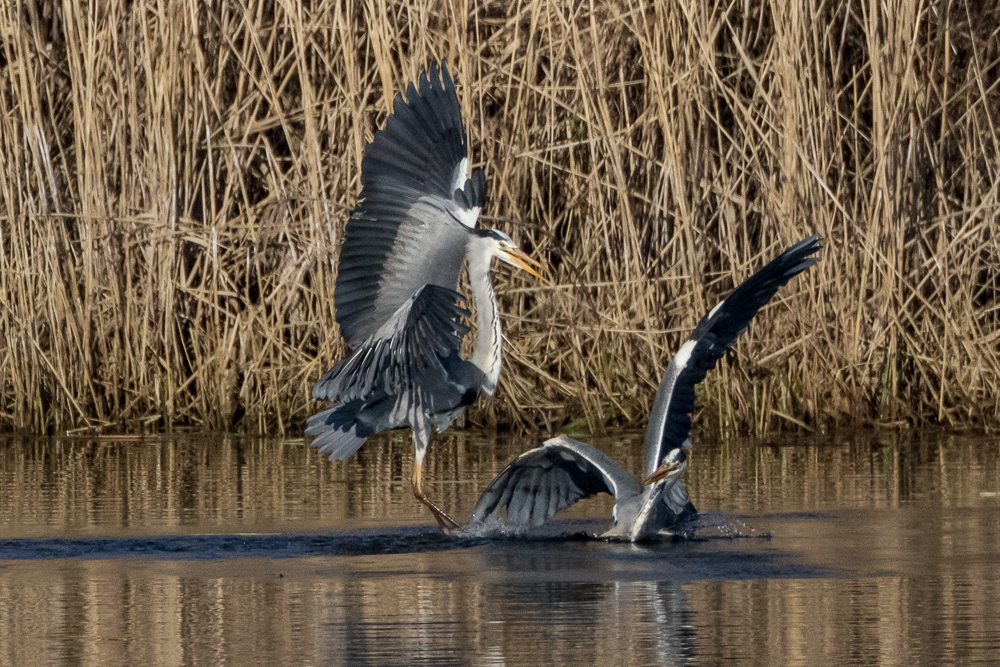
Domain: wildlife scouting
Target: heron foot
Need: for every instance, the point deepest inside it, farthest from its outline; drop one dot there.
(445, 522)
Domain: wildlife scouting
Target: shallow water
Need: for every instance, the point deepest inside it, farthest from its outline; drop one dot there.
(879, 549)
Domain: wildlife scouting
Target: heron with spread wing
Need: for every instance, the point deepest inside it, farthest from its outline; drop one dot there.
(541, 482)
(403, 251)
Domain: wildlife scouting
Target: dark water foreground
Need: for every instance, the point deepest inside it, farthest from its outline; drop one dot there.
(879, 549)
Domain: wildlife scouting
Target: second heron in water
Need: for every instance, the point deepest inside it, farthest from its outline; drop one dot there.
(543, 481)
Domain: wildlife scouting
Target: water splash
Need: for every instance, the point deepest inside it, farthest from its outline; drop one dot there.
(494, 528)
(491, 527)
(717, 524)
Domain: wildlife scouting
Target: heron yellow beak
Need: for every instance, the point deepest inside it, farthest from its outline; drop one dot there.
(661, 472)
(519, 258)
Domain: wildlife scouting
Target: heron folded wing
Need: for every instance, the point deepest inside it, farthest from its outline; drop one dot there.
(670, 421)
(404, 357)
(411, 223)
(546, 480)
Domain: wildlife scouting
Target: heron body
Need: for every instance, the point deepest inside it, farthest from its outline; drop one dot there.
(404, 247)
(543, 481)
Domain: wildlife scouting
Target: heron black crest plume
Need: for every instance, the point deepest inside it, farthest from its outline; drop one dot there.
(404, 247)
(543, 481)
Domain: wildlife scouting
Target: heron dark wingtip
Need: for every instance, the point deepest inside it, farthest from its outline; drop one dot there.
(436, 76)
(397, 103)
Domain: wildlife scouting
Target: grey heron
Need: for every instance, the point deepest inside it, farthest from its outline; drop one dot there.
(403, 251)
(543, 481)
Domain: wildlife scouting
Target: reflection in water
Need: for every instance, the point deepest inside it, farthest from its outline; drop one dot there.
(102, 612)
(884, 551)
(74, 486)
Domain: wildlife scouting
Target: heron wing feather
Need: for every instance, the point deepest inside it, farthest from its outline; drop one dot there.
(548, 479)
(408, 228)
(670, 421)
(404, 358)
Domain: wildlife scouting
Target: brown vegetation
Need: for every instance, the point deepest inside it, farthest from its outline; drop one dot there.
(174, 181)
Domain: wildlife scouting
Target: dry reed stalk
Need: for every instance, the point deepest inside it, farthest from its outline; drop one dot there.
(175, 179)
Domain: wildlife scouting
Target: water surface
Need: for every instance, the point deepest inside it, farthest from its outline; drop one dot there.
(875, 549)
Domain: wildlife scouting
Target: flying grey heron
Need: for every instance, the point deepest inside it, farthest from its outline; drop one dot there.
(403, 250)
(541, 482)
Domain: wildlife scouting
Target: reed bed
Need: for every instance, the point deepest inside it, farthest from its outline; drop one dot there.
(175, 179)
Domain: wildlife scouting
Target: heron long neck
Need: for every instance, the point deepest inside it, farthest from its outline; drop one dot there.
(487, 353)
(646, 521)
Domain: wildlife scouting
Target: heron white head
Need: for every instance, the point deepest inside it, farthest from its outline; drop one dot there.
(502, 247)
(673, 464)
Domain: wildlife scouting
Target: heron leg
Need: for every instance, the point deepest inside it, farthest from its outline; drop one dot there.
(446, 523)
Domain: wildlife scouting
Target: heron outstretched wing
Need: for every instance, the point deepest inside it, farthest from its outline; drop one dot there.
(670, 421)
(543, 481)
(416, 208)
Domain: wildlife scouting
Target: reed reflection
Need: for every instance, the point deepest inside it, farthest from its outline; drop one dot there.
(101, 612)
(862, 471)
(70, 486)
(429, 609)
